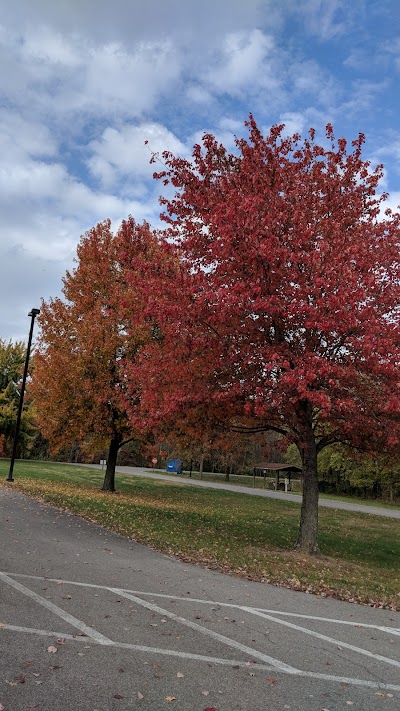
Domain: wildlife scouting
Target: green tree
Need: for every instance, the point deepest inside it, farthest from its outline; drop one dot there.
(12, 359)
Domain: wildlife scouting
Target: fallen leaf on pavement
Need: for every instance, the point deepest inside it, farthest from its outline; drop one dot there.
(52, 649)
(170, 698)
(1, 707)
(383, 695)
(118, 696)
(271, 680)
(180, 675)
(205, 693)
(139, 695)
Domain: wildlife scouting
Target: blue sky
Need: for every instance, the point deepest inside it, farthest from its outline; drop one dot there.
(84, 83)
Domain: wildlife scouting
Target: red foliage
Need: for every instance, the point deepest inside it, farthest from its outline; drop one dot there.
(284, 312)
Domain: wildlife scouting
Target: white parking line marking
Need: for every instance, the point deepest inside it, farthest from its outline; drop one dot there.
(351, 623)
(276, 664)
(143, 648)
(324, 637)
(89, 631)
(44, 633)
(216, 660)
(209, 633)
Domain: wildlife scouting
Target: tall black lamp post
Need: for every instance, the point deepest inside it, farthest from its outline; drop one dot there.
(33, 315)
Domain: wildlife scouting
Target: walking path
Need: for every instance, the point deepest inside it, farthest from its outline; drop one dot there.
(328, 503)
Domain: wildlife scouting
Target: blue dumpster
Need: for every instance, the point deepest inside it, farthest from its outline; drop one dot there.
(174, 465)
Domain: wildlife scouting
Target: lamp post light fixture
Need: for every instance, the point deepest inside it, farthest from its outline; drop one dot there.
(33, 313)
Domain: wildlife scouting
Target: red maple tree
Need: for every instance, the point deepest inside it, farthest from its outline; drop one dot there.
(284, 312)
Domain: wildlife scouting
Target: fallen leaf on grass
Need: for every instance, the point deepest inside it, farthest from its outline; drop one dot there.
(52, 649)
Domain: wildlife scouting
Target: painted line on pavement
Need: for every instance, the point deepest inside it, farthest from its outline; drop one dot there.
(215, 660)
(70, 619)
(351, 623)
(45, 633)
(324, 637)
(143, 648)
(203, 630)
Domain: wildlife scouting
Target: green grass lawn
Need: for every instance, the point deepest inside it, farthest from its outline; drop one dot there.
(238, 534)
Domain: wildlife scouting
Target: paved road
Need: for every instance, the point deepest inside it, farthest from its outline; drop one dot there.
(91, 621)
(328, 503)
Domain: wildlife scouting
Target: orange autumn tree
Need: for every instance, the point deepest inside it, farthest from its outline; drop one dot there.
(83, 340)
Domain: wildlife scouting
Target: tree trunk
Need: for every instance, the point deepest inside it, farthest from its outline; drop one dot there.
(307, 538)
(109, 478)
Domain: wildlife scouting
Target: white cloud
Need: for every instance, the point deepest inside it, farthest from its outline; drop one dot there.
(364, 96)
(242, 63)
(57, 207)
(50, 47)
(67, 76)
(123, 152)
(22, 137)
(294, 122)
(103, 20)
(326, 19)
(199, 94)
(393, 201)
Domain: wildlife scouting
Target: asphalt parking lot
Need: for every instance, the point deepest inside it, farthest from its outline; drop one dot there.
(90, 620)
